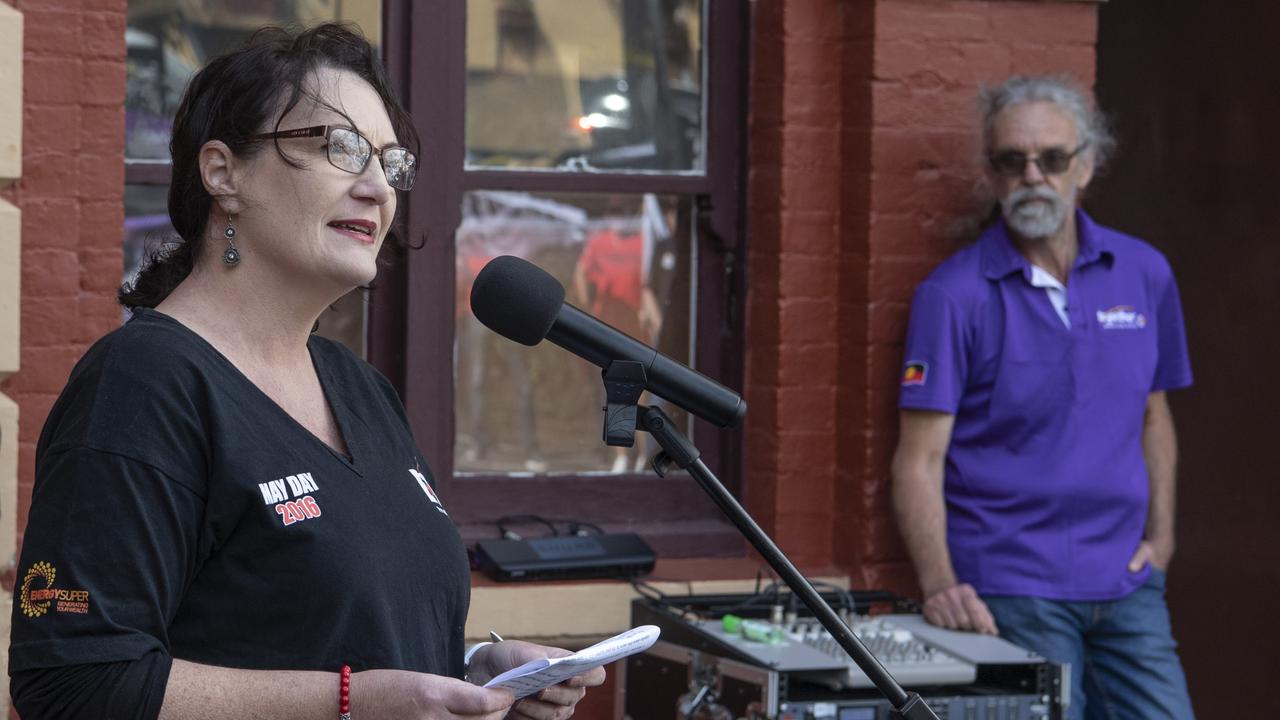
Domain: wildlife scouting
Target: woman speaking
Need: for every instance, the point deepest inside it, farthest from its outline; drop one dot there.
(230, 516)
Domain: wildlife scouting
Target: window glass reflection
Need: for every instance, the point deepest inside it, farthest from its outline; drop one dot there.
(585, 84)
(627, 260)
(168, 40)
(146, 225)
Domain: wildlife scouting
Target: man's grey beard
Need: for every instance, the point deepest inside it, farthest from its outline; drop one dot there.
(1036, 220)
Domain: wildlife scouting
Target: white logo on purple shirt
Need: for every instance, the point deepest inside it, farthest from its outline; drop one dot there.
(1121, 317)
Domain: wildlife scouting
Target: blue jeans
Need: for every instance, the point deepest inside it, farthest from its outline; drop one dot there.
(1124, 661)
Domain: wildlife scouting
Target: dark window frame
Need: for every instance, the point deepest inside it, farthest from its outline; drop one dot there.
(411, 317)
(147, 172)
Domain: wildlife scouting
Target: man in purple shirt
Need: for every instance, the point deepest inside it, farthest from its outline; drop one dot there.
(1034, 475)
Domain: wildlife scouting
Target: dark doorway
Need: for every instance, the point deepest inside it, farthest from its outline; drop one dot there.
(1191, 88)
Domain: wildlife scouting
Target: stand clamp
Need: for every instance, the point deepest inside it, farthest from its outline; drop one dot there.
(624, 382)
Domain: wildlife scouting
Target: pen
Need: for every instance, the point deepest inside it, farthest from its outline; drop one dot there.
(495, 636)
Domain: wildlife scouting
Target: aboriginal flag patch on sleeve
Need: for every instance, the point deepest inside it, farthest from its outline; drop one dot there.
(914, 373)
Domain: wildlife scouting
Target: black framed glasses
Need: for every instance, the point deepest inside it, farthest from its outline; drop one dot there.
(1054, 161)
(350, 151)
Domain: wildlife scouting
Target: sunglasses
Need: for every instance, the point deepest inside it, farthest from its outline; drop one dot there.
(1054, 161)
(350, 151)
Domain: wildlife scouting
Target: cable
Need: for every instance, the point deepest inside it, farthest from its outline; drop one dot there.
(576, 527)
(647, 591)
(506, 534)
(573, 527)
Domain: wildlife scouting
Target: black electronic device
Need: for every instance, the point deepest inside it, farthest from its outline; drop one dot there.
(566, 557)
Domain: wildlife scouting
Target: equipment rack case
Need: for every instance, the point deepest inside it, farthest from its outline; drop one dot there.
(654, 684)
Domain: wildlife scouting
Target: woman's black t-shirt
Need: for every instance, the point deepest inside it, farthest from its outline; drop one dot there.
(177, 509)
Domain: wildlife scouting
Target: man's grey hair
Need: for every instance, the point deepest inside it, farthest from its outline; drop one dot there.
(1091, 126)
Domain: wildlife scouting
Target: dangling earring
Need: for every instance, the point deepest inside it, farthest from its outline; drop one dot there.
(230, 256)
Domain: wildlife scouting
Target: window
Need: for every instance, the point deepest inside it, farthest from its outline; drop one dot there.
(624, 258)
(605, 84)
(167, 41)
(602, 140)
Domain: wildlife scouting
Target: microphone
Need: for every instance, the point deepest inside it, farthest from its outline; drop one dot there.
(522, 302)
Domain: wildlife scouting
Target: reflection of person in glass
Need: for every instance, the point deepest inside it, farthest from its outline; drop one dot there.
(610, 281)
(501, 223)
(228, 510)
(476, 348)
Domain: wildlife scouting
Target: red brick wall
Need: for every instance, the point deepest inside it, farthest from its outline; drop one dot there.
(793, 194)
(71, 197)
(864, 145)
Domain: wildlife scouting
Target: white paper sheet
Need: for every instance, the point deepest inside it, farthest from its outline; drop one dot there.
(545, 672)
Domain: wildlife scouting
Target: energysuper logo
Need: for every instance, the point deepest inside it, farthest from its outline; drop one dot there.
(38, 594)
(1121, 317)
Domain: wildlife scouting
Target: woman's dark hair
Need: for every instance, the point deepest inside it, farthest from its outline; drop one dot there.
(232, 98)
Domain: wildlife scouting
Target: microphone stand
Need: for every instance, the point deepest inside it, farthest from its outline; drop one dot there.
(624, 381)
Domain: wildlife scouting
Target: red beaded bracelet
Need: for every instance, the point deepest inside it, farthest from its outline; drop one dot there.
(344, 695)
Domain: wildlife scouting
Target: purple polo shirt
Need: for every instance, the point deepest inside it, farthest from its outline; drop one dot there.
(1046, 485)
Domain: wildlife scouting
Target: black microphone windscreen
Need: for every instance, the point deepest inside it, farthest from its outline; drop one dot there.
(516, 299)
